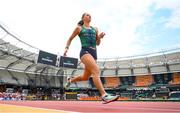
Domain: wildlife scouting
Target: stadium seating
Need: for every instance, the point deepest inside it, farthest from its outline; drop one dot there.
(145, 80)
(176, 78)
(111, 82)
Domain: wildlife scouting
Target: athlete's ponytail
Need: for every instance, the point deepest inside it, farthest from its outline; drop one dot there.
(81, 22)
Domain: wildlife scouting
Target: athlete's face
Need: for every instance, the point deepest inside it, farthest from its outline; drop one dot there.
(87, 17)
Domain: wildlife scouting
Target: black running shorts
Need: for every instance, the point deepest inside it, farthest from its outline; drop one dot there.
(88, 50)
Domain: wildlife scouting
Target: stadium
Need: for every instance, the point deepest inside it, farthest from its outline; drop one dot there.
(31, 76)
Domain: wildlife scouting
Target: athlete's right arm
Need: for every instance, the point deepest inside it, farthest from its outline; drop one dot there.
(73, 35)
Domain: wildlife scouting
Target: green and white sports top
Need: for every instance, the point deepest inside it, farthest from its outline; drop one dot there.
(88, 37)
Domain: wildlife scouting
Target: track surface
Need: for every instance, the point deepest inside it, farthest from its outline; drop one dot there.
(88, 107)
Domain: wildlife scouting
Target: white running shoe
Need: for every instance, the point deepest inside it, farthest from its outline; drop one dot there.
(109, 98)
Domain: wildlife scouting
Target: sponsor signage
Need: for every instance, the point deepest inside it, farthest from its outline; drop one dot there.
(47, 58)
(68, 62)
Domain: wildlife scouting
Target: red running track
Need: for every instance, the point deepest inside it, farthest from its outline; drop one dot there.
(98, 107)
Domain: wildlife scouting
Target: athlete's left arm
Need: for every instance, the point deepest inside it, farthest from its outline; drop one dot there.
(99, 36)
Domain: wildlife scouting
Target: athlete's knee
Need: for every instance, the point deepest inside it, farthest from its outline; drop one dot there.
(95, 71)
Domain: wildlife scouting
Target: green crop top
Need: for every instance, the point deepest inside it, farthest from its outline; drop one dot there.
(88, 37)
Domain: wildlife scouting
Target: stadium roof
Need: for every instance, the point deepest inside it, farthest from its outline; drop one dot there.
(17, 55)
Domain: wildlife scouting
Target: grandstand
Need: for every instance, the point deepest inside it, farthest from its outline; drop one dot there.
(132, 77)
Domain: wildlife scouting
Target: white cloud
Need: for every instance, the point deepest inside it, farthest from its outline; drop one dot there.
(122, 23)
(174, 6)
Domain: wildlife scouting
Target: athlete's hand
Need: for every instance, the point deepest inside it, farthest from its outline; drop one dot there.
(65, 52)
(101, 35)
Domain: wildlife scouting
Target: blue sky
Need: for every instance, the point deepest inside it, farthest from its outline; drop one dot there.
(132, 26)
(160, 35)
